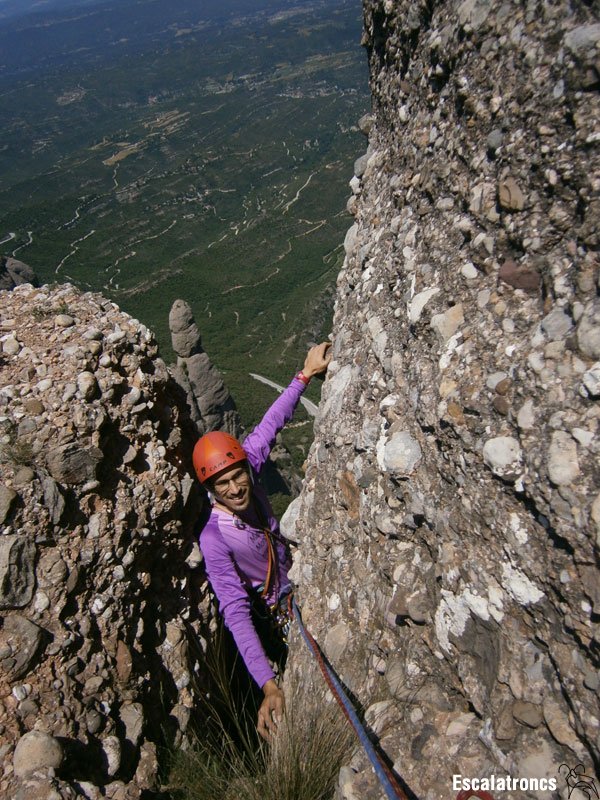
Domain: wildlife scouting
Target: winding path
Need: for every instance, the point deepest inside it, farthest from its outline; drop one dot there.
(131, 254)
(16, 250)
(297, 197)
(74, 249)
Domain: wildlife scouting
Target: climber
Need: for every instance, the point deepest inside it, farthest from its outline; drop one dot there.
(246, 559)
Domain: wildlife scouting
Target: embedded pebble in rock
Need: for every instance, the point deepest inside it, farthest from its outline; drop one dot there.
(494, 379)
(459, 725)
(336, 641)
(34, 751)
(588, 330)
(402, 454)
(350, 240)
(591, 381)
(448, 323)
(563, 463)
(557, 325)
(557, 721)
(519, 276)
(595, 515)
(96, 531)
(34, 406)
(473, 243)
(380, 716)
(17, 577)
(395, 677)
(133, 396)
(92, 334)
(365, 123)
(582, 38)
(469, 271)
(495, 139)
(287, 523)
(111, 747)
(10, 346)
(510, 195)
(73, 463)
(7, 498)
(20, 645)
(528, 713)
(132, 717)
(355, 185)
(360, 165)
(503, 456)
(526, 416)
(87, 385)
(584, 437)
(64, 320)
(419, 301)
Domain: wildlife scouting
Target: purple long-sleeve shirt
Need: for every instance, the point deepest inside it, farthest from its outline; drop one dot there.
(236, 552)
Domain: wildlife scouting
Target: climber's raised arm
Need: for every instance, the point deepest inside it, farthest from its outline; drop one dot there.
(246, 559)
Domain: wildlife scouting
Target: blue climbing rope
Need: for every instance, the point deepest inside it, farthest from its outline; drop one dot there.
(387, 779)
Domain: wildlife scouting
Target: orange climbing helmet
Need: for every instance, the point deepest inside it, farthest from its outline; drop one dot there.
(214, 452)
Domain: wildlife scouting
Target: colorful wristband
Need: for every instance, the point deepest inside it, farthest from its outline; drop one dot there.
(302, 377)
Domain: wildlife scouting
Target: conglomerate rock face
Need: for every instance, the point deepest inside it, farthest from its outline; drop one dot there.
(96, 600)
(450, 522)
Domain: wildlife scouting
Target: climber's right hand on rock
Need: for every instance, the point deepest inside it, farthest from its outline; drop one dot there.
(317, 360)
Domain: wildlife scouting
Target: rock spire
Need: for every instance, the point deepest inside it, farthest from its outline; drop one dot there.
(212, 407)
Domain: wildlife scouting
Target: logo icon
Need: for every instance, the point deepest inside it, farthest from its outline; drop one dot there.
(577, 779)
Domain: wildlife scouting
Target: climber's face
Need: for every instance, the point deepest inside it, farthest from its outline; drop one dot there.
(232, 488)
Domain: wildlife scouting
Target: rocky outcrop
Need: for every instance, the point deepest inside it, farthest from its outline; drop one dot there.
(100, 612)
(212, 407)
(450, 521)
(14, 273)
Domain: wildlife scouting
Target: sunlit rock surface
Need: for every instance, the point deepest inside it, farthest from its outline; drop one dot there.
(450, 521)
(100, 612)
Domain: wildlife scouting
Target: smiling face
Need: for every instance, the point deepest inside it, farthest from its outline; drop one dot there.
(232, 488)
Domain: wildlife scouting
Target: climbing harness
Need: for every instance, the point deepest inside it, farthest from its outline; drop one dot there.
(279, 617)
(270, 629)
(270, 562)
(271, 555)
(278, 612)
(386, 777)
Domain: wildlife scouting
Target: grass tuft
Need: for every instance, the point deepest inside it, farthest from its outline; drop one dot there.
(14, 449)
(227, 761)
